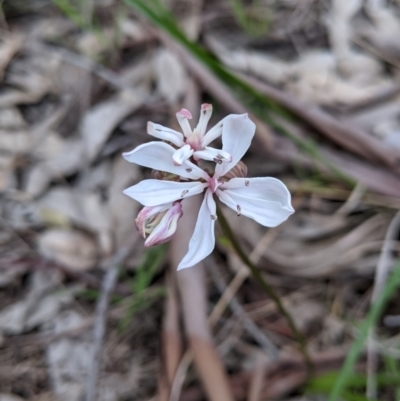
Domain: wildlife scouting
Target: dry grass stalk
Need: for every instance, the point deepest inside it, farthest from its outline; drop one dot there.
(194, 302)
(382, 271)
(171, 341)
(109, 281)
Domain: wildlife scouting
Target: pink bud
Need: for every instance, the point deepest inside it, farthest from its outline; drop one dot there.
(158, 223)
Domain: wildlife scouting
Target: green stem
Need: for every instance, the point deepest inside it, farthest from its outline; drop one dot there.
(227, 230)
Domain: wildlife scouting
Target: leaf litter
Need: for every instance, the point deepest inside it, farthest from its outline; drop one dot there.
(74, 98)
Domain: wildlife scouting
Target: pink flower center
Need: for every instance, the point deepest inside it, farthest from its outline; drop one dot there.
(194, 141)
(214, 184)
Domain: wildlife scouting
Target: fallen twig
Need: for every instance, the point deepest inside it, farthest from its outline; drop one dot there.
(99, 328)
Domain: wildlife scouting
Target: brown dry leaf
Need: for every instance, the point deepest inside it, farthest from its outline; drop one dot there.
(123, 210)
(100, 121)
(349, 251)
(60, 157)
(382, 121)
(39, 305)
(94, 44)
(7, 177)
(34, 81)
(260, 64)
(339, 25)
(68, 247)
(386, 30)
(10, 46)
(69, 361)
(132, 29)
(11, 119)
(84, 209)
(17, 211)
(190, 17)
(352, 64)
(15, 142)
(315, 79)
(313, 76)
(307, 314)
(171, 76)
(10, 397)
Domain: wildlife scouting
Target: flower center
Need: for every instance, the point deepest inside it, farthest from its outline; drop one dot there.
(214, 184)
(194, 141)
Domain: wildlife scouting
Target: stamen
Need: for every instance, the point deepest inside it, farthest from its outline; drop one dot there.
(184, 193)
(218, 161)
(214, 217)
(239, 210)
(247, 183)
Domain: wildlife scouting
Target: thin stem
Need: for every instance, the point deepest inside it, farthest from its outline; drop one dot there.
(227, 230)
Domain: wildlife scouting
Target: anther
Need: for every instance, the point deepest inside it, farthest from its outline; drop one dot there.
(184, 193)
(213, 217)
(189, 170)
(239, 210)
(247, 183)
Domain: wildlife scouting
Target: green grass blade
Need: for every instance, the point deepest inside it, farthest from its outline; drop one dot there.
(392, 284)
(71, 12)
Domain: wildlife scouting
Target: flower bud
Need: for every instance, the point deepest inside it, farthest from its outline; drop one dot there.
(239, 171)
(157, 224)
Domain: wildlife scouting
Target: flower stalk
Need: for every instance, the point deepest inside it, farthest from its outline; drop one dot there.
(228, 232)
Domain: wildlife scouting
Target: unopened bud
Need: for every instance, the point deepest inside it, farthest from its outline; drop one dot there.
(239, 171)
(157, 224)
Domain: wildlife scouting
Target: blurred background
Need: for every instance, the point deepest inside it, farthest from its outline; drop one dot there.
(87, 312)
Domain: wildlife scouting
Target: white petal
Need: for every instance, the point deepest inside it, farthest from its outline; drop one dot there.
(164, 133)
(205, 115)
(183, 118)
(263, 188)
(214, 133)
(270, 210)
(158, 156)
(182, 154)
(216, 155)
(237, 133)
(203, 239)
(156, 192)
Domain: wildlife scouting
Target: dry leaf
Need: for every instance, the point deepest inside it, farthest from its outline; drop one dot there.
(34, 309)
(69, 361)
(84, 209)
(68, 247)
(123, 210)
(7, 177)
(171, 76)
(10, 397)
(260, 64)
(11, 119)
(10, 46)
(61, 157)
(100, 121)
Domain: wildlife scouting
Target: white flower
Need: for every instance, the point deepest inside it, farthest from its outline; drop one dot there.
(266, 200)
(192, 142)
(157, 224)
